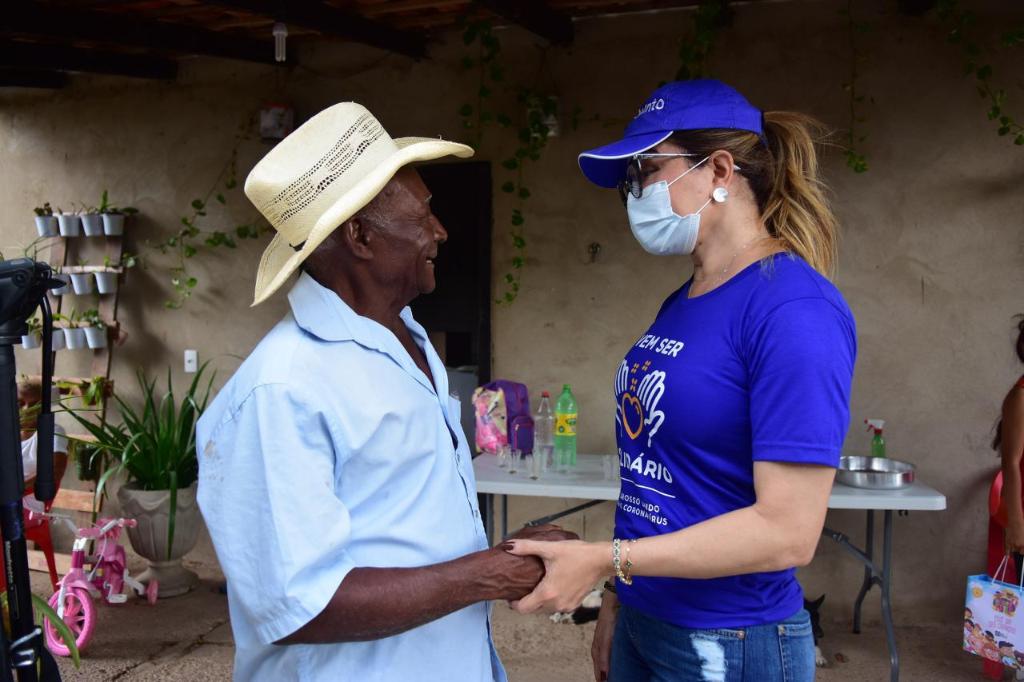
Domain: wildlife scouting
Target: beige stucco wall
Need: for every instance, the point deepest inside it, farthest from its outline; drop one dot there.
(932, 259)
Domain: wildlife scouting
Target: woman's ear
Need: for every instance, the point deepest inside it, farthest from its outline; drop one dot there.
(723, 166)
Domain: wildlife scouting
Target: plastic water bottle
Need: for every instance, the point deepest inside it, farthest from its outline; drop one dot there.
(565, 430)
(544, 432)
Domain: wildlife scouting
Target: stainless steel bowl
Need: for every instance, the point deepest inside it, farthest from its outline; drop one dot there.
(879, 473)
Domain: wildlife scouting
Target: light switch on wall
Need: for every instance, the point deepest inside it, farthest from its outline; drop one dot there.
(191, 361)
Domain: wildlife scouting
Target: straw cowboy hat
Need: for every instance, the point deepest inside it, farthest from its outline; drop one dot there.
(320, 176)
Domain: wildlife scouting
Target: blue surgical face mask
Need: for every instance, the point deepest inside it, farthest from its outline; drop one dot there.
(659, 229)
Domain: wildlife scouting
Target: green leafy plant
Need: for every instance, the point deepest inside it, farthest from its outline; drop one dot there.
(107, 207)
(91, 318)
(192, 238)
(43, 210)
(41, 608)
(709, 19)
(88, 460)
(94, 391)
(35, 324)
(127, 262)
(154, 445)
(855, 159)
(961, 24)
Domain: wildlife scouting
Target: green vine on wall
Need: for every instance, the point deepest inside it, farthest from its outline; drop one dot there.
(535, 110)
(193, 239)
(855, 158)
(962, 23)
(709, 19)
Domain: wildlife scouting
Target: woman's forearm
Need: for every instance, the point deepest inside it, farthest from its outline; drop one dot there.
(743, 541)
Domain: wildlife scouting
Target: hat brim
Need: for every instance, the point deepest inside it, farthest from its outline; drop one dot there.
(280, 260)
(606, 166)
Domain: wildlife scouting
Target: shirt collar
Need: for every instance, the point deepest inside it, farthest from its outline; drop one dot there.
(322, 313)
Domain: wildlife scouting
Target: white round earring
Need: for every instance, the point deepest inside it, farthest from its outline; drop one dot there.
(720, 194)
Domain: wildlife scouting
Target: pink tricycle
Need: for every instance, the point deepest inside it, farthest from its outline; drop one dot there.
(106, 578)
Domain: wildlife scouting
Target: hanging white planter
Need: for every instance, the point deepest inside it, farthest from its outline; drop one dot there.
(57, 340)
(60, 291)
(74, 338)
(31, 340)
(106, 281)
(46, 226)
(70, 225)
(96, 337)
(83, 282)
(92, 223)
(113, 224)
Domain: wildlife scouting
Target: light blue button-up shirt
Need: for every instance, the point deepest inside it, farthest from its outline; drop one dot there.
(329, 449)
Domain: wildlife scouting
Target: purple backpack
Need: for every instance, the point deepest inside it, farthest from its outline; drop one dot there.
(518, 421)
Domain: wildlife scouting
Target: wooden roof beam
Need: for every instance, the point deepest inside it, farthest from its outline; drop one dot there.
(61, 58)
(535, 16)
(67, 24)
(333, 22)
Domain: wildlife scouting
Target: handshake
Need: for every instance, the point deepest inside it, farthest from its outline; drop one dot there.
(515, 577)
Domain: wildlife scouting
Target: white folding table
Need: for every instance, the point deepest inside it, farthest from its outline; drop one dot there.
(587, 481)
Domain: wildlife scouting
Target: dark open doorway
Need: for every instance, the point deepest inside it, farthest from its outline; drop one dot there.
(458, 313)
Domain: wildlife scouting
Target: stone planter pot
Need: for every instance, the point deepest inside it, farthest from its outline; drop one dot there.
(151, 508)
(96, 337)
(113, 224)
(46, 226)
(106, 282)
(83, 282)
(70, 225)
(74, 338)
(92, 224)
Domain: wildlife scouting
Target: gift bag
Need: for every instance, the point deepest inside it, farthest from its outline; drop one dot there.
(994, 618)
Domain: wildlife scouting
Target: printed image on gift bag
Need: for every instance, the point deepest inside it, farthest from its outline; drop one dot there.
(994, 619)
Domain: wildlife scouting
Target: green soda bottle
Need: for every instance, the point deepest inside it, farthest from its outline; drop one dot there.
(565, 430)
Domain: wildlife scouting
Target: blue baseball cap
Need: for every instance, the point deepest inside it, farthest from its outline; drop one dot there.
(682, 105)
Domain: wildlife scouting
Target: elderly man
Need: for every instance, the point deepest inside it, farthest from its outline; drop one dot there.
(334, 476)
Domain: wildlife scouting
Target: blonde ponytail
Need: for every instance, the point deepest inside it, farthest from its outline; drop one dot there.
(782, 170)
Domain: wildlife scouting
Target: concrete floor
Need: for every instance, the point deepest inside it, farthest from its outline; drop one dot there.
(188, 638)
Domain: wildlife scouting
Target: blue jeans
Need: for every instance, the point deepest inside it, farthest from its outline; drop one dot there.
(646, 649)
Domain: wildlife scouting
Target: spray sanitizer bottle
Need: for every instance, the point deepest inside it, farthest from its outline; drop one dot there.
(877, 441)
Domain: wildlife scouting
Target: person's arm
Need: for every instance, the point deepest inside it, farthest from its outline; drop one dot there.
(1011, 449)
(779, 531)
(372, 603)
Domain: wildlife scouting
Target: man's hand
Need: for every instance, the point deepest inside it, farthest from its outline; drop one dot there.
(515, 577)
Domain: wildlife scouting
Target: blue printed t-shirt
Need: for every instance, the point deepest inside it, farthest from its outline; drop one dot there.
(758, 369)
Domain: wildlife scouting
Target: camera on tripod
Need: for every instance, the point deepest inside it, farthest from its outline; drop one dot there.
(23, 287)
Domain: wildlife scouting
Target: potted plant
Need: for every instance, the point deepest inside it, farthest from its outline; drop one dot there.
(155, 447)
(106, 279)
(33, 337)
(92, 222)
(46, 223)
(95, 329)
(64, 277)
(74, 335)
(113, 216)
(69, 223)
(82, 281)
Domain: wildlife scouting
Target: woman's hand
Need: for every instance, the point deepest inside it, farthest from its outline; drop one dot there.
(1013, 539)
(601, 649)
(571, 569)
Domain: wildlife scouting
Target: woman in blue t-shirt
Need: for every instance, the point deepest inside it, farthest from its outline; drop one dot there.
(731, 408)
